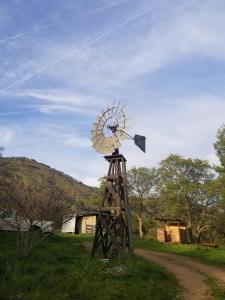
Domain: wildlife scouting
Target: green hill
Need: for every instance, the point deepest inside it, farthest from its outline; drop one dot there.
(81, 196)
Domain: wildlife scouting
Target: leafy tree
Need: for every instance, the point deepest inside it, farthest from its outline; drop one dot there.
(141, 188)
(220, 147)
(220, 150)
(186, 187)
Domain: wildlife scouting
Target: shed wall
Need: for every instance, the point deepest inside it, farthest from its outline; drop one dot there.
(88, 224)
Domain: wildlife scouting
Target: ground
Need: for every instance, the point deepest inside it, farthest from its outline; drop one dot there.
(200, 271)
(61, 269)
(192, 276)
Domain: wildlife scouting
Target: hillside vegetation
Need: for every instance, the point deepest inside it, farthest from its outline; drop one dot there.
(80, 195)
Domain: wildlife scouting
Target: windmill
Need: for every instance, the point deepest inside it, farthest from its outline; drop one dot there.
(2, 149)
(113, 226)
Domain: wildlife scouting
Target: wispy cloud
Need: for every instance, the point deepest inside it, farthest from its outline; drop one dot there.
(55, 96)
(187, 127)
(6, 135)
(58, 100)
(15, 113)
(174, 38)
(86, 44)
(59, 22)
(77, 141)
(147, 53)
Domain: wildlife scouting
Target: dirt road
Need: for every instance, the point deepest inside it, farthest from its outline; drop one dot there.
(191, 275)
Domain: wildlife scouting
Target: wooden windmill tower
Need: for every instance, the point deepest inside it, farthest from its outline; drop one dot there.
(2, 149)
(113, 228)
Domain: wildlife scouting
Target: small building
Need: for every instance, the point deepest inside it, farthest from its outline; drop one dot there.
(10, 224)
(172, 230)
(81, 223)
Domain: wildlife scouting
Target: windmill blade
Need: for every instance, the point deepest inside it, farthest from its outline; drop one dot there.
(97, 141)
(122, 136)
(117, 109)
(106, 143)
(113, 139)
(111, 128)
(96, 132)
(105, 115)
(100, 120)
(114, 106)
(97, 126)
(117, 145)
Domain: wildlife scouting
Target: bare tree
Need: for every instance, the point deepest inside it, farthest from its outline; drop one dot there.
(34, 208)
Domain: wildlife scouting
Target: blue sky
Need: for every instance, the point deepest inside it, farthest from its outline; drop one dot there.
(63, 61)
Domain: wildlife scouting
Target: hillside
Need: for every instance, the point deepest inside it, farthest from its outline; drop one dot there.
(85, 197)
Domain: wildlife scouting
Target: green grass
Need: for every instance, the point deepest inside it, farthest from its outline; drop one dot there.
(60, 269)
(217, 289)
(214, 256)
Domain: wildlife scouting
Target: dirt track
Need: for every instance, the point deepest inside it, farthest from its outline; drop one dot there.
(191, 275)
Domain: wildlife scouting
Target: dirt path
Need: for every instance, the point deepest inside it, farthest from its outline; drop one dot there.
(192, 275)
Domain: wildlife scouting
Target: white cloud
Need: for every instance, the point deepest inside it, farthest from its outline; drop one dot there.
(6, 135)
(91, 181)
(85, 68)
(185, 126)
(77, 141)
(54, 96)
(58, 100)
(126, 54)
(165, 42)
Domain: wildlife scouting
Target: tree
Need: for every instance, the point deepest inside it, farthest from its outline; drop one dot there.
(220, 151)
(186, 187)
(33, 207)
(141, 187)
(219, 146)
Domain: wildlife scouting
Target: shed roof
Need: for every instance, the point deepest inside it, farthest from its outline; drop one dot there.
(87, 213)
(169, 219)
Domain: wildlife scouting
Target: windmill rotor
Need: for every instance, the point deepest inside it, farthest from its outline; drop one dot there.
(111, 128)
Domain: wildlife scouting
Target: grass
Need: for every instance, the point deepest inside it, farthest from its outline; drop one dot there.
(217, 289)
(60, 269)
(213, 256)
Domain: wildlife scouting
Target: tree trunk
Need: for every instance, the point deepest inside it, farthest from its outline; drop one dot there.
(190, 233)
(140, 226)
(199, 238)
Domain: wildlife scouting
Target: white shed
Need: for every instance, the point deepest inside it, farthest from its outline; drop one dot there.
(83, 223)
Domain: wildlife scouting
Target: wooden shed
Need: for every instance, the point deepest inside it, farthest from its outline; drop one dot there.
(83, 223)
(171, 230)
